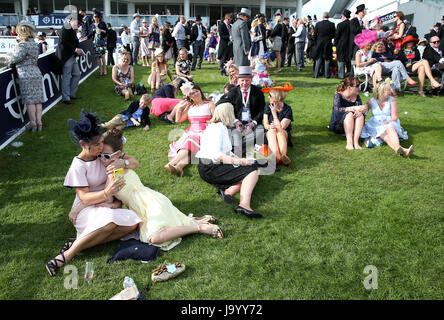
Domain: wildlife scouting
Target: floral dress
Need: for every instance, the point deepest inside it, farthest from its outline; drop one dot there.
(144, 42)
(100, 39)
(122, 78)
(364, 58)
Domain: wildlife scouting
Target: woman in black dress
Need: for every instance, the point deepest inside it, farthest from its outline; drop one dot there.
(221, 168)
(348, 112)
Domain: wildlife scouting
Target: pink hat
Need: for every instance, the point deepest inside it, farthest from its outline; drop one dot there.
(366, 37)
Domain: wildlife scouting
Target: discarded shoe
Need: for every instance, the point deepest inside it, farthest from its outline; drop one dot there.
(167, 271)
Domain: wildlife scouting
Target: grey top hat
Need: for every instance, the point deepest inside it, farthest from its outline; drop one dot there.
(245, 71)
(28, 24)
(245, 12)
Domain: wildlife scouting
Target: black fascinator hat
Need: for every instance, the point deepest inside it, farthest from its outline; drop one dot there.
(86, 129)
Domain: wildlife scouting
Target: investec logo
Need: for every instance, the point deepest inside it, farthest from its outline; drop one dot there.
(53, 20)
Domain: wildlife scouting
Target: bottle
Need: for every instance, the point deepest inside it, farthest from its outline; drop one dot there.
(129, 282)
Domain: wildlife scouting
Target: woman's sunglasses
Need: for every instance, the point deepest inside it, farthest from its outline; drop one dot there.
(107, 156)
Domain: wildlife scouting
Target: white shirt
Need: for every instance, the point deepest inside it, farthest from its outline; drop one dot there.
(134, 28)
(214, 142)
(199, 32)
(126, 38)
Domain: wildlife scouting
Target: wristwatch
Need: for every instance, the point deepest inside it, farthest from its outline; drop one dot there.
(127, 163)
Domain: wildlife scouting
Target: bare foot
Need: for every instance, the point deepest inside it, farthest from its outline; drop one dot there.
(348, 147)
(357, 146)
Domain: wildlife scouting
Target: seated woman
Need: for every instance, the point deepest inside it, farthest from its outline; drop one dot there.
(163, 224)
(384, 122)
(165, 102)
(277, 121)
(198, 112)
(365, 63)
(123, 77)
(411, 58)
(183, 65)
(159, 69)
(391, 66)
(221, 168)
(347, 114)
(99, 221)
(137, 113)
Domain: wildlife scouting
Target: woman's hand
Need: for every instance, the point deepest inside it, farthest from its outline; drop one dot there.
(114, 187)
(115, 164)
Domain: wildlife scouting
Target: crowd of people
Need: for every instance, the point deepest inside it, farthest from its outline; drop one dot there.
(225, 131)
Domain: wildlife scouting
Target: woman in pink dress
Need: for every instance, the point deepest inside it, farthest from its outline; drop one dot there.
(101, 221)
(198, 112)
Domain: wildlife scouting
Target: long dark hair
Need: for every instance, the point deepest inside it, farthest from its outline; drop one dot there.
(195, 86)
(348, 82)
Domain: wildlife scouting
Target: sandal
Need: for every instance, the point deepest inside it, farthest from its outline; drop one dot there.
(52, 265)
(409, 151)
(161, 273)
(422, 94)
(217, 232)
(68, 243)
(205, 219)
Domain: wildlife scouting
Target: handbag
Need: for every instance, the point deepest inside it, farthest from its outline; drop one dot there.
(140, 89)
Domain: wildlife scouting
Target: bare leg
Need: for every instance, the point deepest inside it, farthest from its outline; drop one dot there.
(349, 127)
(359, 124)
(247, 188)
(231, 191)
(38, 114)
(273, 143)
(421, 77)
(390, 136)
(31, 113)
(282, 138)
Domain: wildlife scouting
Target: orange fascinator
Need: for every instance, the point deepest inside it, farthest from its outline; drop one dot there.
(287, 87)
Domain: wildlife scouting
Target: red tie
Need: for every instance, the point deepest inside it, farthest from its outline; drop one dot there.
(245, 96)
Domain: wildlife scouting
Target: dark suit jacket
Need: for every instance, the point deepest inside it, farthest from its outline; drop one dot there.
(225, 51)
(256, 102)
(195, 32)
(441, 37)
(343, 41)
(133, 108)
(111, 38)
(66, 47)
(431, 55)
(290, 38)
(411, 31)
(167, 40)
(324, 33)
(355, 28)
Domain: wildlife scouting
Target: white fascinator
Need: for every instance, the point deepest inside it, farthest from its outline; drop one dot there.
(186, 88)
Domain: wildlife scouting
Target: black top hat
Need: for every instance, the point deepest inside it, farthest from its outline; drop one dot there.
(360, 8)
(442, 18)
(198, 18)
(346, 13)
(167, 23)
(437, 25)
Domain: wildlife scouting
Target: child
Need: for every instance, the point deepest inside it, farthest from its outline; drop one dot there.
(183, 65)
(136, 113)
(159, 69)
(261, 76)
(212, 47)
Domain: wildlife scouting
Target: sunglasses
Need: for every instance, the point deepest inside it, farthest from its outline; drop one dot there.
(107, 156)
(435, 41)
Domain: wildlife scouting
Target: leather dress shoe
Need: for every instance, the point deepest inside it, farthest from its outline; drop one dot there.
(67, 102)
(248, 213)
(75, 98)
(225, 197)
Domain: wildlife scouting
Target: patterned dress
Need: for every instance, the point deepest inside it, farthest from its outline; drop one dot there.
(154, 39)
(368, 69)
(24, 56)
(100, 39)
(190, 140)
(144, 51)
(122, 78)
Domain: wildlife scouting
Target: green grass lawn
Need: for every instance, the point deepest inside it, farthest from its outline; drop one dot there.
(326, 218)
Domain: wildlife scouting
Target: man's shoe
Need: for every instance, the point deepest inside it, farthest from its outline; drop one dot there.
(67, 102)
(75, 98)
(248, 213)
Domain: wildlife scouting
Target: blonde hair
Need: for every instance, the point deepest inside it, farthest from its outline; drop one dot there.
(154, 21)
(278, 95)
(380, 87)
(224, 113)
(123, 54)
(376, 44)
(147, 98)
(186, 54)
(25, 32)
(255, 23)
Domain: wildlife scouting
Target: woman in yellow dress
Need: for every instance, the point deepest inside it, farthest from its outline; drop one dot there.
(163, 224)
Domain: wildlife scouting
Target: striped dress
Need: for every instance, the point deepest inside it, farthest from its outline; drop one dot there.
(190, 140)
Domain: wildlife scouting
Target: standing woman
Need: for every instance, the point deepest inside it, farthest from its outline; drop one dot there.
(144, 41)
(101, 221)
(347, 114)
(167, 41)
(100, 42)
(398, 34)
(25, 56)
(43, 45)
(277, 41)
(259, 38)
(154, 37)
(198, 112)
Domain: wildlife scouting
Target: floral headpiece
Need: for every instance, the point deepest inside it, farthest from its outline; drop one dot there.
(86, 129)
(186, 88)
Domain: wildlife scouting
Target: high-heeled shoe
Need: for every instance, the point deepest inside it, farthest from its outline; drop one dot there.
(435, 85)
(174, 170)
(412, 84)
(52, 266)
(409, 151)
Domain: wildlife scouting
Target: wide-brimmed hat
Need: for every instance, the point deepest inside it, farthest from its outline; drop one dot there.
(245, 12)
(158, 51)
(366, 37)
(287, 87)
(245, 71)
(360, 8)
(347, 13)
(422, 40)
(408, 39)
(28, 24)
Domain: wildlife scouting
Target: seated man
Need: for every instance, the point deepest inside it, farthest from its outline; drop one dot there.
(249, 103)
(435, 58)
(136, 113)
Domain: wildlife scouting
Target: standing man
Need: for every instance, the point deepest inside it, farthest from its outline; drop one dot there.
(135, 31)
(225, 51)
(67, 51)
(198, 37)
(111, 43)
(344, 45)
(241, 38)
(87, 25)
(441, 35)
(285, 37)
(357, 24)
(179, 33)
(126, 39)
(300, 37)
(324, 33)
(291, 44)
